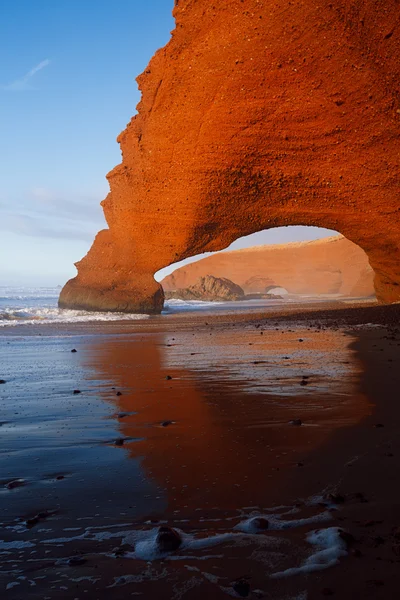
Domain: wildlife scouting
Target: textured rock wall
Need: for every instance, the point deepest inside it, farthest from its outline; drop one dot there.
(330, 266)
(256, 114)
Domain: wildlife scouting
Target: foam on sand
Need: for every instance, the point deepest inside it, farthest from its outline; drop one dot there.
(330, 546)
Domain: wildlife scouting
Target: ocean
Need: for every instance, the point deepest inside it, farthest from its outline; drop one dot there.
(35, 305)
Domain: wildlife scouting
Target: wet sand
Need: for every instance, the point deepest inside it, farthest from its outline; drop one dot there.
(194, 422)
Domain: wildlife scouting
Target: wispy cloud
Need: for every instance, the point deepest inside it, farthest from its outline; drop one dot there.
(47, 214)
(24, 83)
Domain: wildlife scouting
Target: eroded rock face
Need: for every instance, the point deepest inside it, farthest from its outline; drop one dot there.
(328, 266)
(209, 288)
(255, 115)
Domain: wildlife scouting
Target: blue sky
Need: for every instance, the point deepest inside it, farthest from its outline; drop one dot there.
(67, 88)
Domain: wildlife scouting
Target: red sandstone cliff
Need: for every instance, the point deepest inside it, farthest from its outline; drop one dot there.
(256, 114)
(329, 266)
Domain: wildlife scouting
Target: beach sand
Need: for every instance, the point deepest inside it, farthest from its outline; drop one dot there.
(203, 423)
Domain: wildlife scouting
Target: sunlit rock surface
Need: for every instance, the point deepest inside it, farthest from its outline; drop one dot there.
(255, 115)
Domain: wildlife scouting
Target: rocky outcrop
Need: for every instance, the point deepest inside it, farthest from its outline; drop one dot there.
(327, 266)
(255, 115)
(208, 288)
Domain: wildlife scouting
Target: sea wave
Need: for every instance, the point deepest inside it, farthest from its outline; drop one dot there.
(34, 315)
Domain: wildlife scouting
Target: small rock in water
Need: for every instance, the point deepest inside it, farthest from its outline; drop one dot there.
(122, 550)
(59, 477)
(168, 377)
(336, 498)
(76, 560)
(2, 381)
(260, 523)
(122, 415)
(77, 392)
(118, 394)
(301, 340)
(15, 483)
(168, 539)
(74, 350)
(296, 422)
(32, 521)
(166, 423)
(347, 537)
(119, 442)
(303, 382)
(241, 587)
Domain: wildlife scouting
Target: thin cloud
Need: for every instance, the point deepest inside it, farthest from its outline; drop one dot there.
(22, 84)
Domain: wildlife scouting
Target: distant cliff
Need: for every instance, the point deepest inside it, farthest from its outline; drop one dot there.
(329, 266)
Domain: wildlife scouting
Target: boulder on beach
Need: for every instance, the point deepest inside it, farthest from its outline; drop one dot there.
(208, 288)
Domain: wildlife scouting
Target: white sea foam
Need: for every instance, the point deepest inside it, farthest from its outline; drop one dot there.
(27, 306)
(330, 546)
(37, 316)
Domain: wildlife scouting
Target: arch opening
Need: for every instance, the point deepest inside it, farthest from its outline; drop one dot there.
(290, 263)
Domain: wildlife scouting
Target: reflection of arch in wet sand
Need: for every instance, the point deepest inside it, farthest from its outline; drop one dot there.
(230, 403)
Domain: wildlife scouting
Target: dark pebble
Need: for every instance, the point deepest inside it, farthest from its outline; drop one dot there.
(303, 382)
(347, 537)
(77, 392)
(336, 498)
(77, 560)
(296, 422)
(242, 588)
(260, 523)
(168, 540)
(15, 483)
(59, 477)
(166, 423)
(327, 592)
(301, 340)
(118, 394)
(168, 377)
(32, 521)
(74, 350)
(377, 425)
(2, 381)
(119, 442)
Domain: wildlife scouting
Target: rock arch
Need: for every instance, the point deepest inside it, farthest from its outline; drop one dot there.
(256, 114)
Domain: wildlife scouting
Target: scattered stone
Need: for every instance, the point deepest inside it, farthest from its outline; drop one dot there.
(32, 521)
(59, 477)
(119, 442)
(77, 392)
(241, 587)
(2, 381)
(122, 550)
(118, 394)
(168, 377)
(166, 423)
(260, 523)
(347, 537)
(303, 382)
(168, 539)
(122, 415)
(336, 498)
(15, 483)
(76, 561)
(301, 340)
(74, 350)
(296, 422)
